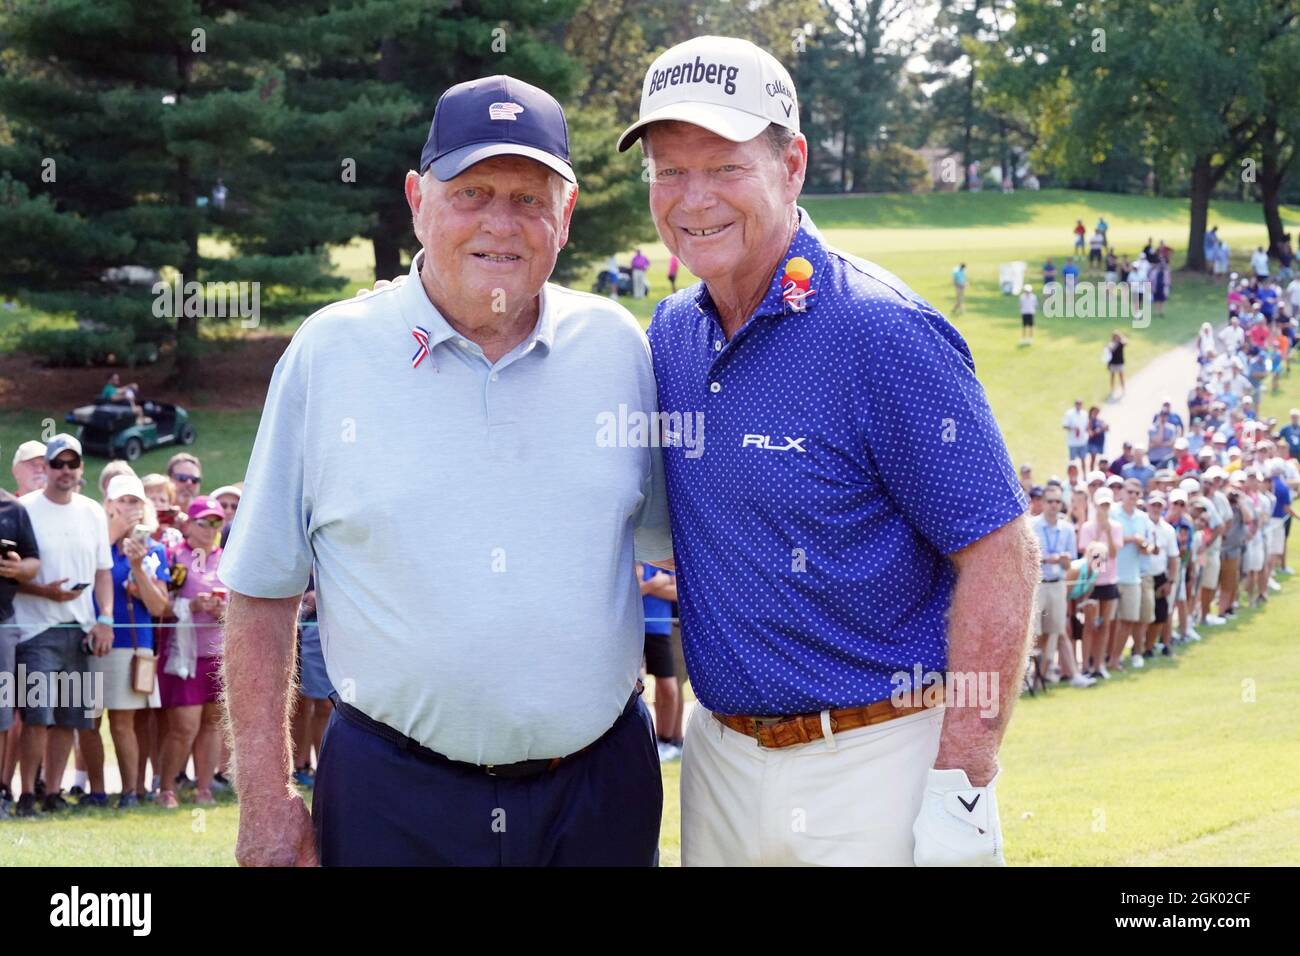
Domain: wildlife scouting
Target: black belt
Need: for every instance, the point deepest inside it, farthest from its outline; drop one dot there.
(1057, 581)
(524, 768)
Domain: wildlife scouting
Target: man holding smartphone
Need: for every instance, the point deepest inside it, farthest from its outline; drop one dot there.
(19, 562)
(56, 623)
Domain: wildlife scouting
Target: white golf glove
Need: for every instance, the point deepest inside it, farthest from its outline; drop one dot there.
(958, 824)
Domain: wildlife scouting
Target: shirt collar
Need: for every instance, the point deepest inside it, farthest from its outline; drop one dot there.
(807, 244)
(419, 312)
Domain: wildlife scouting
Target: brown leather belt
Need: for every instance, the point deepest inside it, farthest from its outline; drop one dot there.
(777, 732)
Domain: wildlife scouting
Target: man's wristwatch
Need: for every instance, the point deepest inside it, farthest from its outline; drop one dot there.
(106, 619)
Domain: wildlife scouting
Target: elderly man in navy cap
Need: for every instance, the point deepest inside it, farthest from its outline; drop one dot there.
(477, 608)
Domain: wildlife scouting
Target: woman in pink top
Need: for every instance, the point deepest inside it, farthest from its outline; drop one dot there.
(1097, 629)
(192, 703)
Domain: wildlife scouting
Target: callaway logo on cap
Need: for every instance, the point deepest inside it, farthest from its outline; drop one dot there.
(728, 86)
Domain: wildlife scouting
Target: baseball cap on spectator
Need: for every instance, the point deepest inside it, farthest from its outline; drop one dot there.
(1247, 400)
(29, 450)
(1114, 480)
(1220, 438)
(205, 507)
(1103, 496)
(725, 85)
(1096, 476)
(496, 116)
(1237, 478)
(121, 485)
(1180, 443)
(225, 490)
(1177, 495)
(1215, 472)
(1164, 474)
(1189, 486)
(1139, 447)
(1156, 499)
(1234, 452)
(59, 444)
(1036, 491)
(1205, 452)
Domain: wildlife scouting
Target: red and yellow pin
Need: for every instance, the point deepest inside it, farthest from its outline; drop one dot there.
(795, 286)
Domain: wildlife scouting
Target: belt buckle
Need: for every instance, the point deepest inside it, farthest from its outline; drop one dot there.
(758, 723)
(490, 769)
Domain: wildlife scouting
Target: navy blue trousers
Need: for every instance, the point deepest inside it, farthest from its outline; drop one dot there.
(377, 804)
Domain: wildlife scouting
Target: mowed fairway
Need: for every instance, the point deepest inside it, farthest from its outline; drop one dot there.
(1191, 761)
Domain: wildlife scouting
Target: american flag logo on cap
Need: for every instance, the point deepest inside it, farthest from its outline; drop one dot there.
(504, 111)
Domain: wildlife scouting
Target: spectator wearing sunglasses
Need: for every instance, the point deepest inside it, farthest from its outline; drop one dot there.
(58, 629)
(191, 698)
(187, 475)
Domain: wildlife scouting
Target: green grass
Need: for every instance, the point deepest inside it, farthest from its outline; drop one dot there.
(1175, 764)
(1172, 765)
(1167, 766)
(224, 442)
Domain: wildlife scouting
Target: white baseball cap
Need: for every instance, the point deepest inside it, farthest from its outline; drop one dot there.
(121, 485)
(29, 450)
(1096, 476)
(1103, 496)
(725, 85)
(1189, 486)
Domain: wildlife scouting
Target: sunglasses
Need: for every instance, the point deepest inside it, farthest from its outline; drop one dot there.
(59, 464)
(190, 479)
(210, 523)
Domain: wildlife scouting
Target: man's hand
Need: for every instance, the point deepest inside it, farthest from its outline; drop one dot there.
(275, 830)
(54, 591)
(10, 565)
(958, 824)
(382, 284)
(101, 636)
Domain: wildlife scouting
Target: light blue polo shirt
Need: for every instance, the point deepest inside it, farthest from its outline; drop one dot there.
(471, 530)
(1127, 562)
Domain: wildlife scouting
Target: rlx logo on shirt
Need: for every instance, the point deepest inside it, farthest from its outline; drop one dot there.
(767, 443)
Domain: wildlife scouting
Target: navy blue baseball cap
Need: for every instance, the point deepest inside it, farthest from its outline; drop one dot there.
(496, 116)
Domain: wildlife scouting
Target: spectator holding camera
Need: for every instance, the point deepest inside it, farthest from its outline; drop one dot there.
(140, 577)
(189, 678)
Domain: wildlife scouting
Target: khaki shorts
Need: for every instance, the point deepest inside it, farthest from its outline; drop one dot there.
(118, 693)
(1210, 570)
(1130, 602)
(1049, 607)
(1147, 605)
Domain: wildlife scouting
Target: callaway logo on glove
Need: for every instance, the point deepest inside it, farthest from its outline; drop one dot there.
(958, 824)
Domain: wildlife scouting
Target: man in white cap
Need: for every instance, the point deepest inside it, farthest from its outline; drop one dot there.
(29, 467)
(830, 546)
(58, 629)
